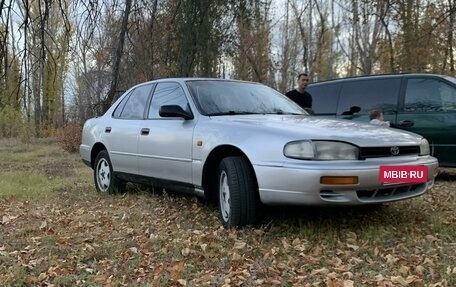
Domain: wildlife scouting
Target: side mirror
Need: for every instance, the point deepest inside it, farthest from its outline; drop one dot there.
(173, 111)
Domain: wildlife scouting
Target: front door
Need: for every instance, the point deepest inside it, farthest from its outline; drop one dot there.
(165, 144)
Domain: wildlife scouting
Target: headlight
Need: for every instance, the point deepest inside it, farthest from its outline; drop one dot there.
(424, 147)
(321, 150)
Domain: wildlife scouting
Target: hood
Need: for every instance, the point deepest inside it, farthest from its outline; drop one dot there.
(317, 128)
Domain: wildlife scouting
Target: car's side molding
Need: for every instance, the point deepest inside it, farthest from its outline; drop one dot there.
(182, 187)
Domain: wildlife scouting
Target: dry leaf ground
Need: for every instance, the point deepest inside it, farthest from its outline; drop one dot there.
(55, 230)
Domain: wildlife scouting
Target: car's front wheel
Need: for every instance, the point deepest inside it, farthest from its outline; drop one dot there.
(236, 192)
(105, 181)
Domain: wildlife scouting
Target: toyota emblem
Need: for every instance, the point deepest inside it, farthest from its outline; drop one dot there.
(394, 150)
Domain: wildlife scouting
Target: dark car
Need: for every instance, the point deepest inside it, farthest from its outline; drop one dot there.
(421, 103)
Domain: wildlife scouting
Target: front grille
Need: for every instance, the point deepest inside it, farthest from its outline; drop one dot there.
(388, 192)
(373, 152)
(382, 194)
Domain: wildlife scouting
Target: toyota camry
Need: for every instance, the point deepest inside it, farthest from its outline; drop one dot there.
(242, 144)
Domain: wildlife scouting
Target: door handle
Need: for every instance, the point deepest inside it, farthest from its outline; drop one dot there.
(406, 123)
(145, 131)
(107, 129)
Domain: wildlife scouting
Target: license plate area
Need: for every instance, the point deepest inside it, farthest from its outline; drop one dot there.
(391, 174)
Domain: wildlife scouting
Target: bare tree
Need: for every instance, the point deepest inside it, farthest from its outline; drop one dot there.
(252, 61)
(118, 57)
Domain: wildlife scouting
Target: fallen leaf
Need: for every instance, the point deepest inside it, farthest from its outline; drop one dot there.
(158, 270)
(285, 243)
(239, 244)
(399, 280)
(185, 252)
(319, 271)
(42, 277)
(176, 269)
(353, 247)
(404, 269)
(182, 282)
(414, 280)
(428, 262)
(420, 269)
(236, 256)
(274, 281)
(7, 218)
(101, 278)
(333, 281)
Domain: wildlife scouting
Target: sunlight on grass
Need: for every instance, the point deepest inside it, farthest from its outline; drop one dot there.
(32, 171)
(27, 186)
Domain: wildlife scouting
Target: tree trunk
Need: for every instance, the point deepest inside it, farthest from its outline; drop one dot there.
(451, 35)
(118, 57)
(151, 44)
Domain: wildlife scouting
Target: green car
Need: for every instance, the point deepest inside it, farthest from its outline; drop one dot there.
(421, 103)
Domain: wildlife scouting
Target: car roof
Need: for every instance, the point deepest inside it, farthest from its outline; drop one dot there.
(188, 79)
(383, 76)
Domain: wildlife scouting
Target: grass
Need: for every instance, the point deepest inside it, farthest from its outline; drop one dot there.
(32, 171)
(56, 230)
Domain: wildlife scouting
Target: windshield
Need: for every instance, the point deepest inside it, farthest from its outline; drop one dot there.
(230, 98)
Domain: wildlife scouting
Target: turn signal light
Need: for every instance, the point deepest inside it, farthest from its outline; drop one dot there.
(336, 180)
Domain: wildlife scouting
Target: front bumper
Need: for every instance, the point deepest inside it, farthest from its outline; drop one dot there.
(298, 182)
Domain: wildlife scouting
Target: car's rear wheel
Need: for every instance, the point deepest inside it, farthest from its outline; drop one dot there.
(105, 181)
(236, 192)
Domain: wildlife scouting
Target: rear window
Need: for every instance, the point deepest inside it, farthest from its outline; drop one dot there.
(429, 95)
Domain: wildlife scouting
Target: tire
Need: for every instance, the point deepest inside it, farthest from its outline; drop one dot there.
(105, 181)
(236, 192)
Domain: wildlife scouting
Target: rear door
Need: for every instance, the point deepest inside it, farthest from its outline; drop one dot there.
(122, 133)
(429, 109)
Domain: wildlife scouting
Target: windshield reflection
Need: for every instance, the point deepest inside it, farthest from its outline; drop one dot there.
(218, 97)
(451, 79)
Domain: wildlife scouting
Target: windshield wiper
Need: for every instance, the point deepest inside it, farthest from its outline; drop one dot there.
(230, 113)
(286, 113)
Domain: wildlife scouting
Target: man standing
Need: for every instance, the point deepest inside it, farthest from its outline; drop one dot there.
(299, 95)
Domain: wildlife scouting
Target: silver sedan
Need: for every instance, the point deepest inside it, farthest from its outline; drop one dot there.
(242, 144)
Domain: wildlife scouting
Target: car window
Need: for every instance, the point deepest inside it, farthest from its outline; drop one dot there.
(324, 98)
(167, 94)
(227, 98)
(134, 107)
(120, 106)
(429, 95)
(448, 94)
(363, 96)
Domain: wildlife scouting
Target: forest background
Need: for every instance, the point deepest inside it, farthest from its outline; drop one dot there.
(63, 61)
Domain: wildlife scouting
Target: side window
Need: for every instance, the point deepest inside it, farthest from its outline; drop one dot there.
(363, 96)
(324, 98)
(167, 94)
(134, 107)
(448, 94)
(120, 106)
(429, 95)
